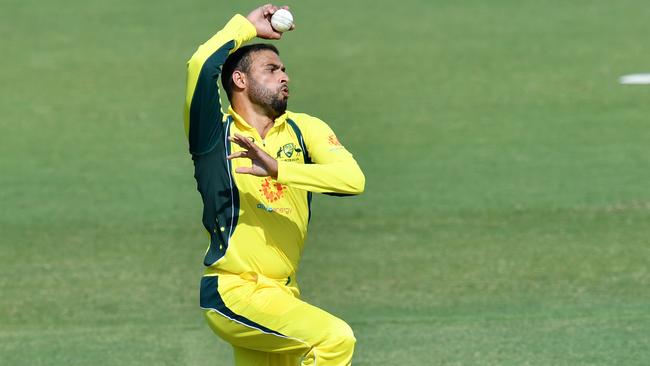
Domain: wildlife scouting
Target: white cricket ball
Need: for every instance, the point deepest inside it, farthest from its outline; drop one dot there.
(282, 20)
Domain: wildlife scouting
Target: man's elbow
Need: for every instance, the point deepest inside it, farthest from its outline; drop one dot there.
(353, 184)
(358, 183)
(194, 63)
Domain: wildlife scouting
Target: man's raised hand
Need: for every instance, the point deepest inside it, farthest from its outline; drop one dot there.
(261, 19)
(262, 164)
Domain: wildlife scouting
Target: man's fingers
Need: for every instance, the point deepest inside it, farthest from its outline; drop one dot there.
(241, 141)
(245, 142)
(269, 9)
(235, 140)
(238, 154)
(241, 137)
(244, 170)
(251, 151)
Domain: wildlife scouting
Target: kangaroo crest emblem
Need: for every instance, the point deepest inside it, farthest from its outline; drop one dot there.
(288, 150)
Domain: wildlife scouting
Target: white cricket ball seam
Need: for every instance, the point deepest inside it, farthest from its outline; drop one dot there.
(282, 20)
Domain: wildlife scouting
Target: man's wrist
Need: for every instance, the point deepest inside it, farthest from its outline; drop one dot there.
(251, 24)
(243, 27)
(273, 169)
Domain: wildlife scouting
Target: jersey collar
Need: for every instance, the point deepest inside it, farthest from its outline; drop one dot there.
(245, 126)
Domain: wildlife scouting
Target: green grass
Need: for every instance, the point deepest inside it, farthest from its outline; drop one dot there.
(505, 219)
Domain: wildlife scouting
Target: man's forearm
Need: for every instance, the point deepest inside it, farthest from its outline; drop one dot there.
(340, 177)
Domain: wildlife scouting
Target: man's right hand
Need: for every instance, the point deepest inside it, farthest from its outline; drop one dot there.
(261, 19)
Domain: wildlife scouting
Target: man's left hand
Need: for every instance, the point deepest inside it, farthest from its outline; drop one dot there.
(262, 164)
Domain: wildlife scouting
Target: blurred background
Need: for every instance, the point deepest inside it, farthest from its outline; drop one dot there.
(506, 213)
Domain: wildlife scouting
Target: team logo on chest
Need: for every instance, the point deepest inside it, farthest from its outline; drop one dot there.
(288, 150)
(272, 190)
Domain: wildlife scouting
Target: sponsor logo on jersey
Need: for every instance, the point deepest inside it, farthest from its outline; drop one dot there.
(333, 140)
(282, 210)
(272, 190)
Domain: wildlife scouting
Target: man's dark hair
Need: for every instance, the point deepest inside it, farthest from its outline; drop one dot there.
(241, 60)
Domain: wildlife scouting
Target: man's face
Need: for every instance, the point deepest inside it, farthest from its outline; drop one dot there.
(268, 82)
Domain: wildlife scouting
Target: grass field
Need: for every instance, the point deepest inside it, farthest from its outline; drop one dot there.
(506, 219)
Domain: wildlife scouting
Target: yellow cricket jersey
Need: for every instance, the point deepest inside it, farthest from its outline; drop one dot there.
(257, 224)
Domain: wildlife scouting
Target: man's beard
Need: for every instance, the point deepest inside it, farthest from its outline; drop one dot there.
(274, 103)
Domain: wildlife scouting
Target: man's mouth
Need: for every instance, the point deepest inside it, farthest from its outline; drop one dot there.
(285, 91)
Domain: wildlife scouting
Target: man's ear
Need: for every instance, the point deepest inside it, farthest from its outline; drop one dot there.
(239, 79)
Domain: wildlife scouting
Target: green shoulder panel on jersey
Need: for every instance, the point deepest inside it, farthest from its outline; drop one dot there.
(301, 140)
(213, 173)
(206, 117)
(209, 145)
(305, 155)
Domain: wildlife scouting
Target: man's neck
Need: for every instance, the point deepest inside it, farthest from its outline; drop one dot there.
(256, 116)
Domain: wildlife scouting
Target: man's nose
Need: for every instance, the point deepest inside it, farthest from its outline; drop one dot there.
(284, 78)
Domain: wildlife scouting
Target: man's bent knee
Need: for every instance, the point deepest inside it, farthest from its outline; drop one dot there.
(345, 337)
(340, 338)
(335, 347)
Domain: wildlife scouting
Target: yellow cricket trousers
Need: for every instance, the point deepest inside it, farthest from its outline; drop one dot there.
(268, 325)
